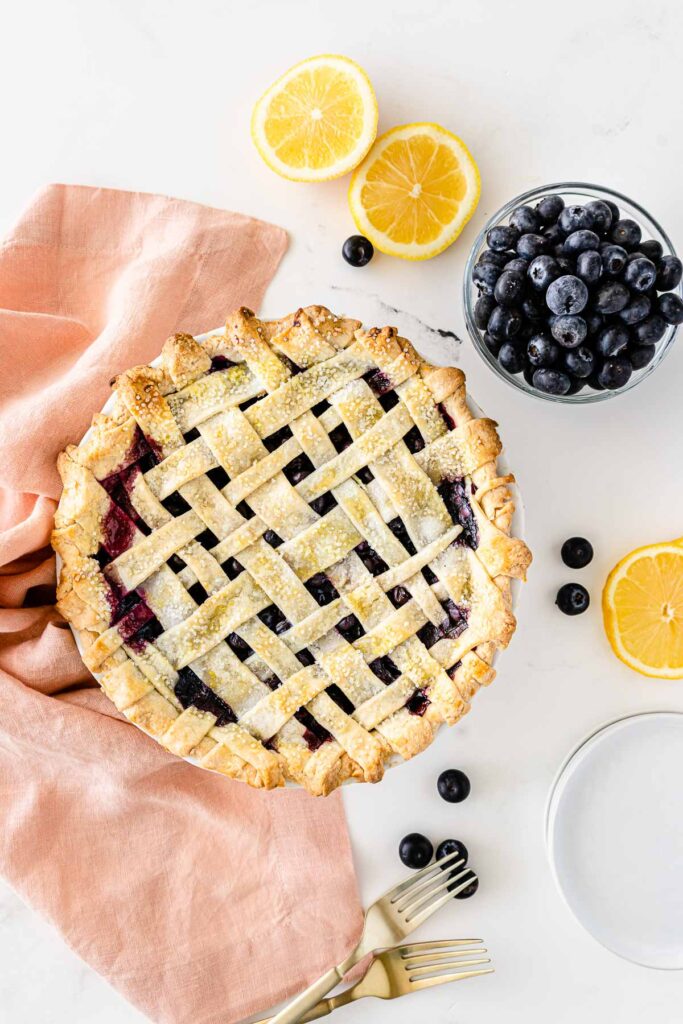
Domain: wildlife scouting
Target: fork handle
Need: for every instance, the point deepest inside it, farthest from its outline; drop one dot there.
(307, 999)
(320, 1009)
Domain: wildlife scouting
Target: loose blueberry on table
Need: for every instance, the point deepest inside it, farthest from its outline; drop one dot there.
(358, 250)
(452, 846)
(573, 297)
(415, 850)
(453, 786)
(577, 552)
(572, 599)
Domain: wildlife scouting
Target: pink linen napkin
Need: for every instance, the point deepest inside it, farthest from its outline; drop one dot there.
(200, 899)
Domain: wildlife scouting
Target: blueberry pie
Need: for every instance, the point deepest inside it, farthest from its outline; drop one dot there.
(286, 552)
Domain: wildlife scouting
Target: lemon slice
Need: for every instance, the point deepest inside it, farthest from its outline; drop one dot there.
(415, 191)
(642, 605)
(317, 121)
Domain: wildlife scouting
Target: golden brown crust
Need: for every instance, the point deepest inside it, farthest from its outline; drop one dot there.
(284, 369)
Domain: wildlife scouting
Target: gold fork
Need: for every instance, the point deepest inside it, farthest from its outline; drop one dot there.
(389, 920)
(404, 969)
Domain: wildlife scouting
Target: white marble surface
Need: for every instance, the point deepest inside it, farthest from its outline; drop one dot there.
(156, 95)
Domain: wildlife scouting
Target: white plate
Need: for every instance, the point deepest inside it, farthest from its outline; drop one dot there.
(614, 829)
(517, 526)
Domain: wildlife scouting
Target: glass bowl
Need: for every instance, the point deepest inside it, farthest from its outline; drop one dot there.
(571, 192)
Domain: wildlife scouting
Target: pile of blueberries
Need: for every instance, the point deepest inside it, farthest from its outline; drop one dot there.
(572, 296)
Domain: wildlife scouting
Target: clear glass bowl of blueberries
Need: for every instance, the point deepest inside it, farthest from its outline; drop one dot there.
(572, 293)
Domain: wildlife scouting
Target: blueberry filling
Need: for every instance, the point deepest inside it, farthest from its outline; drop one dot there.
(277, 439)
(102, 557)
(274, 619)
(370, 559)
(414, 440)
(322, 588)
(245, 510)
(340, 698)
(218, 477)
(378, 381)
(365, 475)
(207, 539)
(320, 408)
(398, 596)
(118, 531)
(430, 575)
(340, 437)
(454, 495)
(271, 537)
(447, 418)
(324, 504)
(250, 401)
(388, 400)
(198, 593)
(398, 528)
(305, 657)
(118, 486)
(418, 703)
(176, 504)
(384, 669)
(191, 435)
(238, 646)
(290, 364)
(232, 568)
(298, 468)
(149, 632)
(220, 363)
(452, 626)
(176, 563)
(192, 692)
(350, 628)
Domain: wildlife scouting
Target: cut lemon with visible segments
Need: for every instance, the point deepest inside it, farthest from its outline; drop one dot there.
(317, 121)
(642, 605)
(415, 191)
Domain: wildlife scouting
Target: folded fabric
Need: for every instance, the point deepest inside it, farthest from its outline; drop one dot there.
(200, 899)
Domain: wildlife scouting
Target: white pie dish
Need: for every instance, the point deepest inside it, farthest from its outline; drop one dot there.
(108, 408)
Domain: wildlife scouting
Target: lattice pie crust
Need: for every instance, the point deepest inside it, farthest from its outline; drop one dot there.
(287, 551)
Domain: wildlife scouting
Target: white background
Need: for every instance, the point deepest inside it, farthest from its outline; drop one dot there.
(156, 95)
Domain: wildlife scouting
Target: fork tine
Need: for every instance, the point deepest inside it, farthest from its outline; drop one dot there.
(443, 978)
(396, 890)
(416, 919)
(433, 970)
(410, 948)
(426, 883)
(419, 960)
(426, 894)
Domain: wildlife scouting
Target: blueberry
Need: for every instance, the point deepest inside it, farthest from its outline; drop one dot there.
(541, 351)
(650, 330)
(511, 358)
(554, 236)
(612, 340)
(602, 215)
(626, 233)
(483, 308)
(641, 355)
(636, 310)
(551, 382)
(615, 373)
(517, 265)
(504, 323)
(577, 552)
(550, 208)
(640, 274)
(579, 361)
(652, 249)
(593, 379)
(572, 599)
(580, 241)
(453, 786)
(485, 276)
(529, 246)
(671, 308)
(570, 331)
(589, 266)
(575, 386)
(567, 294)
(532, 308)
(669, 272)
(594, 322)
(610, 297)
(575, 218)
(492, 345)
(525, 219)
(614, 210)
(415, 850)
(528, 374)
(502, 237)
(358, 250)
(543, 270)
(469, 890)
(452, 846)
(509, 287)
(614, 258)
(490, 256)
